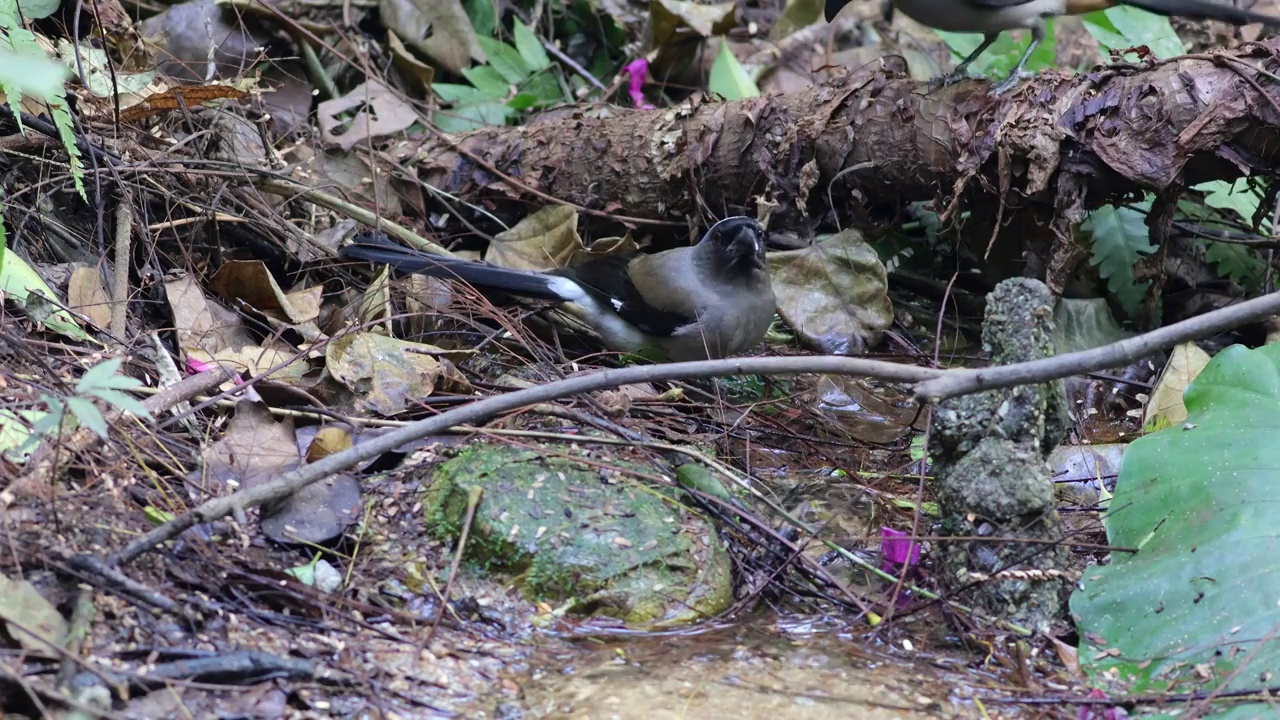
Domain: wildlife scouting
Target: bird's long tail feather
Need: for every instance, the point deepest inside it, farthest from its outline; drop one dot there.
(1205, 10)
(516, 282)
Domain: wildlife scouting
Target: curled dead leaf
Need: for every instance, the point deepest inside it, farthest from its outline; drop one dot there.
(549, 239)
(834, 293)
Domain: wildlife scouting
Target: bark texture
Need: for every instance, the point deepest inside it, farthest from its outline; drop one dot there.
(1064, 143)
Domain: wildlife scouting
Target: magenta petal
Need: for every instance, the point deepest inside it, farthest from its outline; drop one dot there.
(638, 70)
(896, 547)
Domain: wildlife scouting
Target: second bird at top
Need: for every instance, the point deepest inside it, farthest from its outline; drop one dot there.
(991, 17)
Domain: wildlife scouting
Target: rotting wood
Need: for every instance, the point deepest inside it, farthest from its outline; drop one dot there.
(1063, 143)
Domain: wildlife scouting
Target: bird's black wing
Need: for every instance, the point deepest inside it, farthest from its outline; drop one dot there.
(609, 280)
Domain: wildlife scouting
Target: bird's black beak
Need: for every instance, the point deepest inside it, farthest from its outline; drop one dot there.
(748, 247)
(741, 239)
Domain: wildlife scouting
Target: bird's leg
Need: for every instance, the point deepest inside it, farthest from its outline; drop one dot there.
(961, 71)
(1019, 74)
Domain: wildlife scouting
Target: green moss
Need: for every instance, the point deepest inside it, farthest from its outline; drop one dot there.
(567, 529)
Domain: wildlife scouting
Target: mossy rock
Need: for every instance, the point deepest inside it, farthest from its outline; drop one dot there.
(569, 530)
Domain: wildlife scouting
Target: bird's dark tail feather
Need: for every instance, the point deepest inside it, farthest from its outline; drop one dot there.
(1205, 10)
(516, 282)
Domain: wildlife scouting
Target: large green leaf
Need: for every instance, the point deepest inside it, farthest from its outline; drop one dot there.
(1140, 27)
(1195, 609)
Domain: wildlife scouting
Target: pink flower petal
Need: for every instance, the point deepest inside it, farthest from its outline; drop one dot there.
(896, 547)
(638, 70)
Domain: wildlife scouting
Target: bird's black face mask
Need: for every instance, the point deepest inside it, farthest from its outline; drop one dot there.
(740, 240)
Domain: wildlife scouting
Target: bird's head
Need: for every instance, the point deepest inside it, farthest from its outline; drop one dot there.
(738, 241)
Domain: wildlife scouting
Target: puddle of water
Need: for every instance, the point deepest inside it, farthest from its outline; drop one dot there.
(760, 670)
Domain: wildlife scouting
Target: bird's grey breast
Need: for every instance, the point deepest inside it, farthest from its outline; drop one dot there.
(969, 16)
(732, 316)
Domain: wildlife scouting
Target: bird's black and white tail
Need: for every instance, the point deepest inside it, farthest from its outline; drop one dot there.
(480, 275)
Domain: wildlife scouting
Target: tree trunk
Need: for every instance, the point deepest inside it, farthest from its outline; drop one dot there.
(1060, 145)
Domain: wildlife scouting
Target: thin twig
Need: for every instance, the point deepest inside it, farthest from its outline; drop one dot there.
(966, 381)
(295, 480)
(931, 383)
(120, 273)
(473, 503)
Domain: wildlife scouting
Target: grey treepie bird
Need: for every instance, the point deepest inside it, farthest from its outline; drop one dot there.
(709, 300)
(991, 17)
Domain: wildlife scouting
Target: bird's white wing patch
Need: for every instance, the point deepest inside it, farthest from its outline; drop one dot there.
(567, 289)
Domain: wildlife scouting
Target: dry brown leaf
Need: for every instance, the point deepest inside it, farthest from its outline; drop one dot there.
(329, 440)
(409, 66)
(386, 374)
(202, 324)
(203, 40)
(549, 239)
(1165, 408)
(351, 171)
(254, 449)
(178, 98)
(677, 29)
(378, 111)
(425, 299)
(250, 282)
(439, 28)
(86, 296)
(870, 414)
(26, 612)
(255, 360)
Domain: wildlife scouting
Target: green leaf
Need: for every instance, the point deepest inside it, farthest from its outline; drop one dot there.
(1140, 27)
(26, 70)
(1194, 610)
(544, 88)
(466, 118)
(18, 281)
(66, 132)
(1237, 196)
(1235, 262)
(1120, 239)
(728, 78)
(119, 382)
(459, 94)
(121, 401)
(1103, 30)
(530, 48)
(36, 9)
(483, 18)
(51, 421)
(488, 81)
(16, 430)
(505, 59)
(98, 375)
(523, 101)
(305, 574)
(87, 414)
